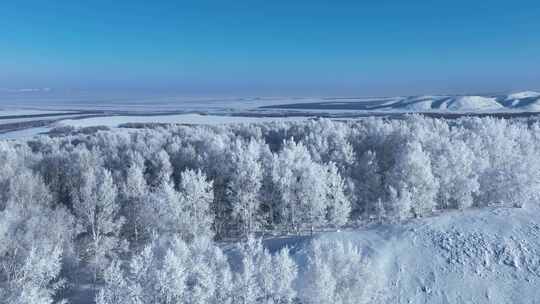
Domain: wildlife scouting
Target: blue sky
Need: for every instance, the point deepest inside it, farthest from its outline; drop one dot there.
(271, 47)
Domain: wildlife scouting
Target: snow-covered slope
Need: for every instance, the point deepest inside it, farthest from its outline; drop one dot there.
(521, 101)
(524, 94)
(448, 103)
(420, 103)
(527, 101)
(143, 105)
(471, 103)
(478, 256)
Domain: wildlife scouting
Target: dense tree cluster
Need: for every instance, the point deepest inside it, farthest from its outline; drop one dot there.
(140, 209)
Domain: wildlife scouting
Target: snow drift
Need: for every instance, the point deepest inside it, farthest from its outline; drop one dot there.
(478, 256)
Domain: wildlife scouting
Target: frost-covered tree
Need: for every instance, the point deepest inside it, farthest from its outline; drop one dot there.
(369, 188)
(504, 153)
(164, 212)
(224, 284)
(172, 278)
(301, 186)
(115, 289)
(335, 273)
(245, 184)
(264, 278)
(135, 197)
(185, 213)
(56, 170)
(63, 197)
(158, 169)
(170, 272)
(453, 168)
(339, 207)
(327, 141)
(399, 203)
(197, 197)
(200, 281)
(35, 280)
(284, 272)
(97, 210)
(148, 278)
(412, 179)
(321, 285)
(34, 237)
(248, 287)
(13, 168)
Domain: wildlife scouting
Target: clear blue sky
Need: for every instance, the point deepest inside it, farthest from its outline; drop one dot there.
(271, 47)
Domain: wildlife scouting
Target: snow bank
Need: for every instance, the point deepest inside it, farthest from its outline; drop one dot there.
(479, 256)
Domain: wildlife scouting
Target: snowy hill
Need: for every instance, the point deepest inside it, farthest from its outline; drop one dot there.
(471, 103)
(524, 94)
(447, 103)
(478, 256)
(527, 101)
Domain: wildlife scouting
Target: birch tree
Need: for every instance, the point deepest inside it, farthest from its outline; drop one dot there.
(97, 210)
(338, 205)
(245, 184)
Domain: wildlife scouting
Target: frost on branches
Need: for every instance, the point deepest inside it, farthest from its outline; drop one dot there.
(151, 215)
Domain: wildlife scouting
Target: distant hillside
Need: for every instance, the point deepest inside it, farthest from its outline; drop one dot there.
(528, 101)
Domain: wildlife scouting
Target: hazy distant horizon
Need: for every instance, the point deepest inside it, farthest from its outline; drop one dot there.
(95, 95)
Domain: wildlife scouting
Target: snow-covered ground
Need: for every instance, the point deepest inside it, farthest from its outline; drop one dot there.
(114, 110)
(26, 112)
(115, 121)
(473, 256)
(476, 256)
(521, 101)
(24, 133)
(31, 118)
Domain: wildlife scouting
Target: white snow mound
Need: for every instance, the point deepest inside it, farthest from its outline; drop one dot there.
(472, 103)
(522, 95)
(477, 256)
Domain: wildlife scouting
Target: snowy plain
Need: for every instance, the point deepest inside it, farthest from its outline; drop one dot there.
(24, 109)
(195, 119)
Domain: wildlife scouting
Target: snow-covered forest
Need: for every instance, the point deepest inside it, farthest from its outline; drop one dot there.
(177, 214)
